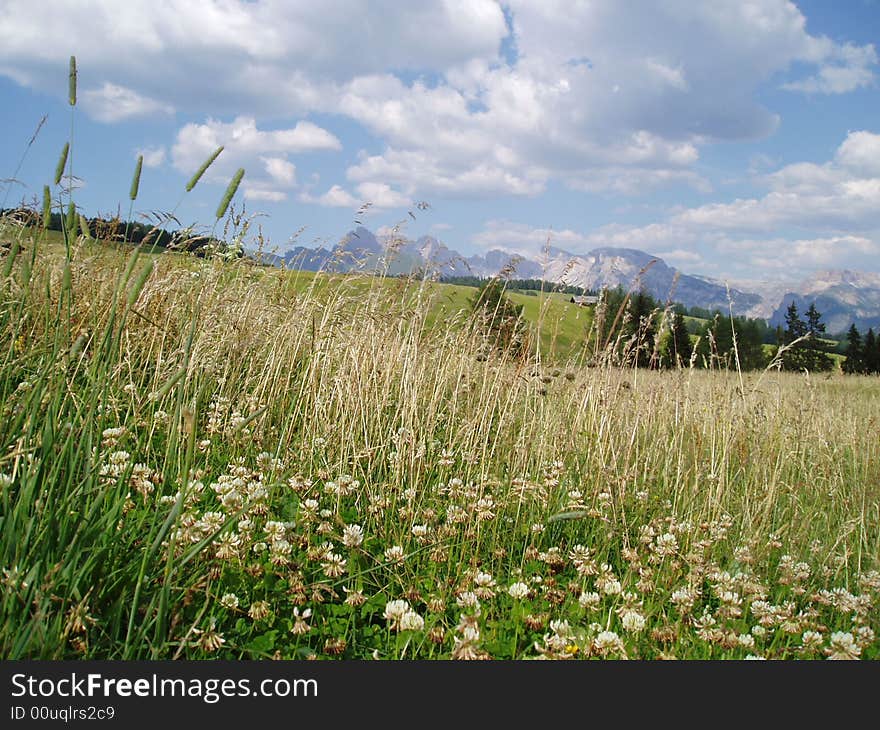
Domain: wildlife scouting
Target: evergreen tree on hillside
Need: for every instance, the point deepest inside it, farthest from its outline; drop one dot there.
(807, 354)
(679, 348)
(641, 329)
(817, 357)
(855, 354)
(871, 353)
(499, 320)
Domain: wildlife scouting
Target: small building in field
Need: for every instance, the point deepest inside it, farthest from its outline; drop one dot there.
(584, 301)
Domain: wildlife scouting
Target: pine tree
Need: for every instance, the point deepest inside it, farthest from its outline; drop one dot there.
(500, 320)
(641, 328)
(679, 348)
(871, 353)
(794, 357)
(816, 357)
(855, 355)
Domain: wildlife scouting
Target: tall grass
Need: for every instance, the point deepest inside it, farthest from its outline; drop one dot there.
(160, 455)
(203, 457)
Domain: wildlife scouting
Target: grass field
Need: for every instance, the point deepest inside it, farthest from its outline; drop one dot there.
(208, 459)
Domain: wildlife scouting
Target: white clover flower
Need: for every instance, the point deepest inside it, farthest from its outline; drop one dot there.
(612, 588)
(468, 599)
(395, 611)
(411, 621)
(352, 536)
(843, 646)
(589, 599)
(518, 590)
(633, 621)
(395, 554)
(230, 601)
(607, 642)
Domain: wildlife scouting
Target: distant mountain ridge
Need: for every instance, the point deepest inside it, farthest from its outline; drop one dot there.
(843, 297)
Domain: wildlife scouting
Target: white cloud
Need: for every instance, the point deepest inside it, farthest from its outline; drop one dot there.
(860, 153)
(280, 170)
(263, 153)
(848, 68)
(593, 86)
(835, 204)
(335, 197)
(153, 156)
(381, 195)
(272, 196)
(113, 103)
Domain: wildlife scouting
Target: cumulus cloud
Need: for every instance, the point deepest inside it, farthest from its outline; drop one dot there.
(153, 156)
(335, 197)
(113, 103)
(846, 68)
(600, 96)
(834, 203)
(262, 152)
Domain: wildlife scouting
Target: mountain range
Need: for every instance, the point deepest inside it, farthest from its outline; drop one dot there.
(843, 297)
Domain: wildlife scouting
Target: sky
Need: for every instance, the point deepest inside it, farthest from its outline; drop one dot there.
(737, 140)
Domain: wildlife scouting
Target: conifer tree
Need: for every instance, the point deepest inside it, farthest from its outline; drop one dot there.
(855, 354)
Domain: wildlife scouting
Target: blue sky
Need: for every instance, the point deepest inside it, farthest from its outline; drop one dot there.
(736, 140)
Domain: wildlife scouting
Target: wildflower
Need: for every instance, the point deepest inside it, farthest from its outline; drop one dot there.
(5, 481)
(111, 436)
(864, 636)
(447, 458)
(518, 590)
(589, 600)
(456, 515)
(468, 599)
(411, 621)
(352, 536)
(300, 624)
(229, 601)
(395, 554)
(279, 552)
(335, 646)
(683, 599)
(666, 544)
(227, 546)
(354, 598)
(210, 639)
(633, 621)
(746, 641)
(420, 531)
(395, 611)
(259, 610)
(465, 646)
(275, 530)
(484, 507)
(333, 565)
(611, 587)
(843, 646)
(484, 583)
(607, 643)
(811, 640)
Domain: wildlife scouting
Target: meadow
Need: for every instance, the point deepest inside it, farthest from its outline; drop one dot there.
(204, 458)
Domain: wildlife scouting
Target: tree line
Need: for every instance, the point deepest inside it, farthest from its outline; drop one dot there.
(862, 354)
(118, 230)
(635, 329)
